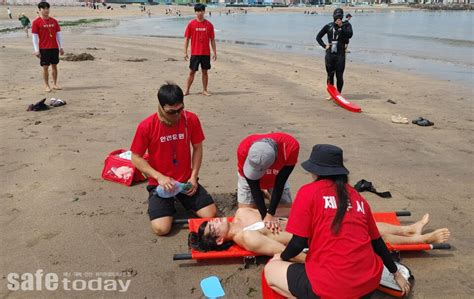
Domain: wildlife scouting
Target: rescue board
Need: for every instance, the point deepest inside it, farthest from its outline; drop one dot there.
(341, 101)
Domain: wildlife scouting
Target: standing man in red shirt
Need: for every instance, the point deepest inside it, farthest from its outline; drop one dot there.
(47, 43)
(168, 136)
(264, 162)
(200, 31)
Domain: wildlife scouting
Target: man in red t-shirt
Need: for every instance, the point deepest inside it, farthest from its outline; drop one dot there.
(264, 162)
(168, 137)
(47, 43)
(200, 31)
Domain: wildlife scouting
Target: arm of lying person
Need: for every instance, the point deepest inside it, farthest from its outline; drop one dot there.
(261, 244)
(145, 167)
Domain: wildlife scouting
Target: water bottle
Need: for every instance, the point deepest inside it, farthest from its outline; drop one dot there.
(178, 187)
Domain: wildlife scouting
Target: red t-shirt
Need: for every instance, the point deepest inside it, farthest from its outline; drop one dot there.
(169, 147)
(287, 155)
(343, 265)
(200, 34)
(46, 30)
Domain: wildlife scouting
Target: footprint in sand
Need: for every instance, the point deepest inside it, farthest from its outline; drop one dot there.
(45, 236)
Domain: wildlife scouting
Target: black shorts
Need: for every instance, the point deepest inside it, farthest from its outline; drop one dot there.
(299, 285)
(203, 60)
(162, 207)
(49, 56)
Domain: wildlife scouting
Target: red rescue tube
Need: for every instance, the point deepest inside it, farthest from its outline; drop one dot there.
(341, 101)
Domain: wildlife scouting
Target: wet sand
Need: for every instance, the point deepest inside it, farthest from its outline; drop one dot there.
(57, 214)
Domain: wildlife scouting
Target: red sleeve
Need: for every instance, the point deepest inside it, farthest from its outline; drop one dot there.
(300, 220)
(295, 150)
(372, 226)
(241, 156)
(34, 27)
(187, 32)
(197, 135)
(211, 31)
(140, 141)
(57, 26)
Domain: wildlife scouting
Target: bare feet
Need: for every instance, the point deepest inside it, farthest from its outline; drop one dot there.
(47, 88)
(206, 93)
(186, 93)
(438, 236)
(328, 98)
(417, 228)
(56, 87)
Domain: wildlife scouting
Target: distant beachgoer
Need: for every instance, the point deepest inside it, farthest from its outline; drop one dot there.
(201, 32)
(25, 23)
(149, 13)
(9, 13)
(338, 36)
(347, 24)
(210, 14)
(48, 43)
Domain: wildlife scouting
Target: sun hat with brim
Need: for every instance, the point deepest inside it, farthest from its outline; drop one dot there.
(261, 156)
(325, 160)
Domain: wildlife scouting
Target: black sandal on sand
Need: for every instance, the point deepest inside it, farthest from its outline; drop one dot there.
(422, 122)
(40, 106)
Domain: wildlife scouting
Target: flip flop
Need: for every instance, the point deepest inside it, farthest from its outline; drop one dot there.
(422, 122)
(425, 123)
(398, 119)
(415, 121)
(56, 102)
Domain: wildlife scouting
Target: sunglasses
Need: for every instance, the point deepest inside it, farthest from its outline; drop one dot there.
(174, 111)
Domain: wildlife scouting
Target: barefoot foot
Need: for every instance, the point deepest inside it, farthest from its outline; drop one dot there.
(417, 228)
(186, 93)
(47, 88)
(56, 87)
(438, 236)
(206, 93)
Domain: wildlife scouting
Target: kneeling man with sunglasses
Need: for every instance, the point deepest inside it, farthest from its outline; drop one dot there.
(168, 136)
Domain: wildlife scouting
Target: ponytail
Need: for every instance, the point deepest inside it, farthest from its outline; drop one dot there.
(342, 200)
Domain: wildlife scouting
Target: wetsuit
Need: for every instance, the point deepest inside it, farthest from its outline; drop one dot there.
(335, 58)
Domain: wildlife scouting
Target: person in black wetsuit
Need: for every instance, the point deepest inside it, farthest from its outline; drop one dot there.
(347, 24)
(338, 33)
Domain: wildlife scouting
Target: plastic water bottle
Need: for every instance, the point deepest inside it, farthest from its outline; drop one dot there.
(178, 187)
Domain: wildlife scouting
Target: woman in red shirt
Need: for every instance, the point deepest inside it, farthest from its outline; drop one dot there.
(346, 253)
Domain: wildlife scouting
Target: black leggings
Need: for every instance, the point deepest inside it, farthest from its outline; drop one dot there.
(335, 63)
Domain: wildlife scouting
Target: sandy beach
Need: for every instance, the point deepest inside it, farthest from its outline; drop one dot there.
(57, 214)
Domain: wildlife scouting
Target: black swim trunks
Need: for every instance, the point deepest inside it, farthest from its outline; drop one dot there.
(49, 56)
(161, 207)
(203, 60)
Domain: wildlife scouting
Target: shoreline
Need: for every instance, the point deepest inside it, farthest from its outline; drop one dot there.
(108, 20)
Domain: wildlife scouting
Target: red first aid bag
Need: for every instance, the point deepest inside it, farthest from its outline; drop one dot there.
(120, 170)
